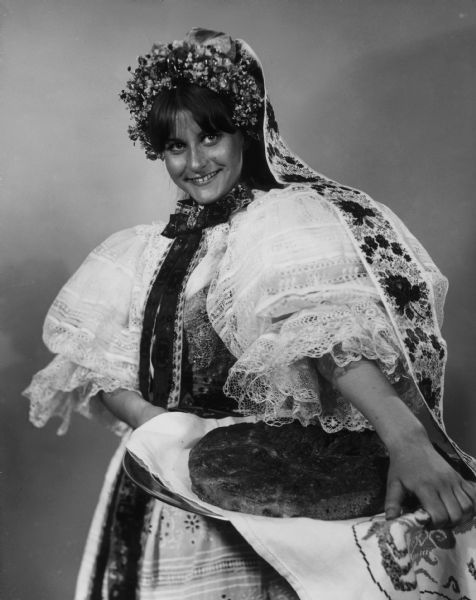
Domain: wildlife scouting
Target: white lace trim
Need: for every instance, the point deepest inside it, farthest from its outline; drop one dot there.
(275, 378)
(63, 387)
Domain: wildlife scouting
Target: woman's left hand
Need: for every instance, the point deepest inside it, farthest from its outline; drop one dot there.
(416, 467)
(130, 407)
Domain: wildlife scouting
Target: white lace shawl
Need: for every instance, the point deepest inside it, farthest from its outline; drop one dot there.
(286, 287)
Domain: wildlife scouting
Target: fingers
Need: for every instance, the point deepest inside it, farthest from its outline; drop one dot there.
(452, 505)
(465, 502)
(394, 499)
(435, 507)
(469, 487)
(447, 498)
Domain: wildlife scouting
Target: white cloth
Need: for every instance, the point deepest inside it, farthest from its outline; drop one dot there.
(369, 559)
(355, 559)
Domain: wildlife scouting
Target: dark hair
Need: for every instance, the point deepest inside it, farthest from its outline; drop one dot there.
(212, 112)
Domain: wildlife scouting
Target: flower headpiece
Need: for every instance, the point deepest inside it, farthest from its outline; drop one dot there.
(207, 59)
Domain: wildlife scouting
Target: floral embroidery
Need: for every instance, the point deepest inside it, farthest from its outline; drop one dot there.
(415, 544)
(412, 556)
(402, 291)
(430, 391)
(359, 213)
(424, 544)
(192, 523)
(396, 562)
(401, 281)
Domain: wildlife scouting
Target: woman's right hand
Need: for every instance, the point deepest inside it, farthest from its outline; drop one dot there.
(149, 411)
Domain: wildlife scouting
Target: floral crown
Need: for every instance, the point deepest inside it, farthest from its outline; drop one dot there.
(204, 58)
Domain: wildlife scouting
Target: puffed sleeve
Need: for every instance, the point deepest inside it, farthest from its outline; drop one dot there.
(292, 289)
(93, 327)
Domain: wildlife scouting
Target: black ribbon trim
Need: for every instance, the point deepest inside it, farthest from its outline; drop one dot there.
(120, 546)
(157, 342)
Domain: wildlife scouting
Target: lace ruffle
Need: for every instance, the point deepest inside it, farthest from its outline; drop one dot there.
(63, 387)
(94, 327)
(276, 377)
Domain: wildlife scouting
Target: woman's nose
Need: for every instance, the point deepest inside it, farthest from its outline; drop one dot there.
(197, 158)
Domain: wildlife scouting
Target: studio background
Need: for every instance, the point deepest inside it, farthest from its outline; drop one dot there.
(378, 94)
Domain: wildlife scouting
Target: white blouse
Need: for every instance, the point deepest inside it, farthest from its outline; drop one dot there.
(286, 287)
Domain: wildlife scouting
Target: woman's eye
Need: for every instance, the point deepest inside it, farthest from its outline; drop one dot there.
(174, 147)
(211, 138)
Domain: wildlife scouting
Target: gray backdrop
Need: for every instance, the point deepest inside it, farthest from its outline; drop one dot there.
(378, 94)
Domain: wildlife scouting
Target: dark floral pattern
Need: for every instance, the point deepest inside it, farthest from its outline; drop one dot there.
(192, 524)
(423, 545)
(402, 291)
(402, 283)
(358, 212)
(430, 392)
(369, 247)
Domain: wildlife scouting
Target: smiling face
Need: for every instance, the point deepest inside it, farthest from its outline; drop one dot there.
(205, 165)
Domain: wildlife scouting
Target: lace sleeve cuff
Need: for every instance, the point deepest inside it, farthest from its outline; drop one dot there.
(276, 379)
(64, 387)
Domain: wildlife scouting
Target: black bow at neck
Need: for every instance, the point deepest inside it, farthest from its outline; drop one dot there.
(191, 216)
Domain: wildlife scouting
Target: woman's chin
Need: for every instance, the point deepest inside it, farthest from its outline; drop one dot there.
(208, 195)
(204, 199)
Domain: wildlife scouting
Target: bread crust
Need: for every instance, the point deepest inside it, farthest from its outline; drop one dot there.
(290, 471)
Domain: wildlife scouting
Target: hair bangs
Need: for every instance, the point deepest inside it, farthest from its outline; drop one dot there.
(209, 110)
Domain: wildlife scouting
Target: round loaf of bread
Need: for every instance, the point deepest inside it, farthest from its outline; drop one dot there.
(290, 471)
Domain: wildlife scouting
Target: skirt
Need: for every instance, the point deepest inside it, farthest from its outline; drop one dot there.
(184, 556)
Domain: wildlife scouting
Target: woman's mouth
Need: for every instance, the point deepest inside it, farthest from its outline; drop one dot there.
(203, 179)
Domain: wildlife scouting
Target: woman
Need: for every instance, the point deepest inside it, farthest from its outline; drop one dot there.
(272, 291)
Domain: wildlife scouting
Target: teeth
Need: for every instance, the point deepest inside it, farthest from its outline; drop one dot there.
(205, 178)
